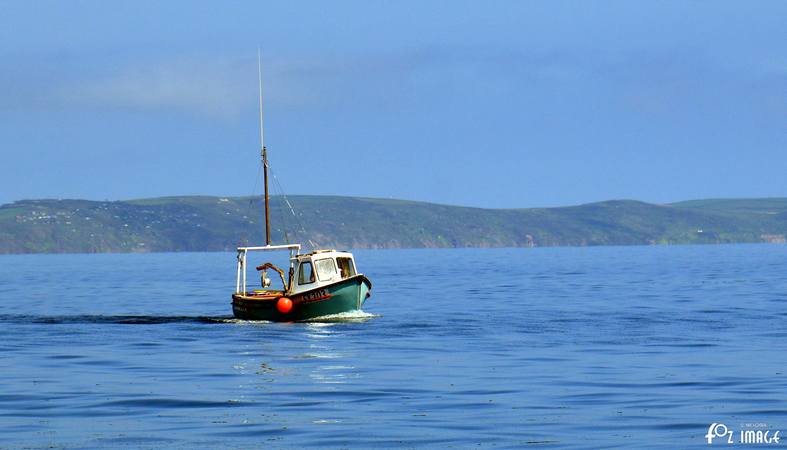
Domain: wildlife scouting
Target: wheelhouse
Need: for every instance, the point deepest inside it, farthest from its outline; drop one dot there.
(320, 268)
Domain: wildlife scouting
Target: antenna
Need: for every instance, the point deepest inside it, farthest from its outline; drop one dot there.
(259, 76)
(264, 158)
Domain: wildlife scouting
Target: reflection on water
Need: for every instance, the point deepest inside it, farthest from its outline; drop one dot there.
(325, 348)
(320, 360)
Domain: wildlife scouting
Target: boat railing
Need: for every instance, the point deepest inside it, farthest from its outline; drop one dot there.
(242, 252)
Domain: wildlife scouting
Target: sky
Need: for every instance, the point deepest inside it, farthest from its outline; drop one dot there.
(492, 104)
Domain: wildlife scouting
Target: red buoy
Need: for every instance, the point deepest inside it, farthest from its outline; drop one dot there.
(284, 305)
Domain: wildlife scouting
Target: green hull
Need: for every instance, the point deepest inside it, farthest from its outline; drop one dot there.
(343, 296)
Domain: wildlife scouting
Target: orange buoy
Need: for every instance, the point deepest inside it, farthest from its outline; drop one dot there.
(284, 305)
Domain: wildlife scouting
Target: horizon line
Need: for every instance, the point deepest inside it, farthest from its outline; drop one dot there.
(388, 199)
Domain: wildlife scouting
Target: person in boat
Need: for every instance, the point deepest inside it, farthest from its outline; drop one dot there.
(264, 280)
(345, 267)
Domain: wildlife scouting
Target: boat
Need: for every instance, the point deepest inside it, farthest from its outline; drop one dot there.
(317, 284)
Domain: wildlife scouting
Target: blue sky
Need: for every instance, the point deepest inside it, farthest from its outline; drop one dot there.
(498, 104)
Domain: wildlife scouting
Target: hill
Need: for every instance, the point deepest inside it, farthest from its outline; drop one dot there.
(218, 223)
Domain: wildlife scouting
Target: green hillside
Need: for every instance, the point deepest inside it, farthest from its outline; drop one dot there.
(216, 223)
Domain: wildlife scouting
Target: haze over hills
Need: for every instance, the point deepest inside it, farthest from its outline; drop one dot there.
(222, 223)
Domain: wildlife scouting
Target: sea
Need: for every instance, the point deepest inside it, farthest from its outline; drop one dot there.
(598, 347)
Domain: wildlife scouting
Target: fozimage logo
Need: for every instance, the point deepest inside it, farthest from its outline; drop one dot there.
(718, 430)
(750, 433)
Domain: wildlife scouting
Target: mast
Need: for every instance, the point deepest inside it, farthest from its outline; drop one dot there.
(264, 158)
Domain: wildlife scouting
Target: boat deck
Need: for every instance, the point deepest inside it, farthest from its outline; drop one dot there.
(263, 295)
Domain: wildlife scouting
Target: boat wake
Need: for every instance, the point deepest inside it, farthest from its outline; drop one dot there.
(99, 319)
(349, 316)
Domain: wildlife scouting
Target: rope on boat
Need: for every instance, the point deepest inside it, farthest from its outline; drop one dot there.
(253, 196)
(301, 228)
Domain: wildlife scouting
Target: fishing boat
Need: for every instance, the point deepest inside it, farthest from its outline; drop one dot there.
(317, 284)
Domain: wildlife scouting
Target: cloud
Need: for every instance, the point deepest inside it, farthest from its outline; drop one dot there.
(215, 89)
(225, 85)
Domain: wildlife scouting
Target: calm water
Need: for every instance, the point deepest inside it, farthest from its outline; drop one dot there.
(508, 348)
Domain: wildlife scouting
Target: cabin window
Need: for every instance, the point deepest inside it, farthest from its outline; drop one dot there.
(305, 273)
(326, 269)
(346, 267)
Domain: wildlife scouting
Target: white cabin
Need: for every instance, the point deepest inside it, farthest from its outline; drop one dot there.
(320, 268)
